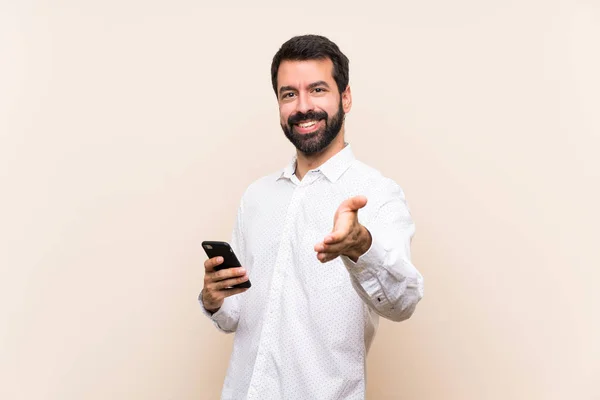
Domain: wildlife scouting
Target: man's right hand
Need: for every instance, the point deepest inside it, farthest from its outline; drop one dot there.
(218, 284)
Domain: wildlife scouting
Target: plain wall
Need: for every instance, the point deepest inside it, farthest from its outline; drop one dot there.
(129, 130)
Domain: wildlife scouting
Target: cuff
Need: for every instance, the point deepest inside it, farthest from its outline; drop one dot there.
(215, 317)
(365, 271)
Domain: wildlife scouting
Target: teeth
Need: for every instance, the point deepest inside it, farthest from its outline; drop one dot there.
(307, 124)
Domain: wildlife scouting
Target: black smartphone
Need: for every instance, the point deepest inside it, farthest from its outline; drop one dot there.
(223, 249)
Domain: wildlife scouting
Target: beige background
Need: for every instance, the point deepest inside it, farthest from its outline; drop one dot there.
(129, 129)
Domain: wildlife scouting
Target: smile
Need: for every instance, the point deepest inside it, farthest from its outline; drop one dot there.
(310, 126)
(307, 124)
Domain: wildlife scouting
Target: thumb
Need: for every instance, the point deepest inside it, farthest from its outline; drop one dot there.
(357, 202)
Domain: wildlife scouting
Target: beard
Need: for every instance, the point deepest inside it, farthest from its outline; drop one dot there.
(314, 142)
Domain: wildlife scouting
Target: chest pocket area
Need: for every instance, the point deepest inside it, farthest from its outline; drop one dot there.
(306, 269)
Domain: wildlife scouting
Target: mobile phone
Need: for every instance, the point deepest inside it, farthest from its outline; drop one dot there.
(223, 249)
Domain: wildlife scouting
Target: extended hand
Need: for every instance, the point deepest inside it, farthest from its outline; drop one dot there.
(348, 237)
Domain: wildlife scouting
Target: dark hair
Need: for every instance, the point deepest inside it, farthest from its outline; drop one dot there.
(312, 47)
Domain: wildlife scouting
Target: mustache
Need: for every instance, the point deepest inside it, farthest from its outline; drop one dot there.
(311, 115)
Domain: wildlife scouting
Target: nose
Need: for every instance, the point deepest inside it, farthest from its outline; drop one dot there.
(304, 103)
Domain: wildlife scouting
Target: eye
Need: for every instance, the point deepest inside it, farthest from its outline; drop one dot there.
(287, 95)
(319, 90)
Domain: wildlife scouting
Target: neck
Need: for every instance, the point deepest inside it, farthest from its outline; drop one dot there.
(306, 162)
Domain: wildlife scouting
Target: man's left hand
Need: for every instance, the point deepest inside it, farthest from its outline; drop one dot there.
(348, 237)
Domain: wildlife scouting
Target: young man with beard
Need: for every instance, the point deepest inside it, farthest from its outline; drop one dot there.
(302, 331)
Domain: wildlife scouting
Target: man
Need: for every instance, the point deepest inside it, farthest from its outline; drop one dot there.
(302, 331)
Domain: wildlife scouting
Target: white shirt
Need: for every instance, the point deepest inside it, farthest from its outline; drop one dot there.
(302, 331)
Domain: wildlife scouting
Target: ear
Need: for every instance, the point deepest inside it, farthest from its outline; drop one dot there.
(347, 100)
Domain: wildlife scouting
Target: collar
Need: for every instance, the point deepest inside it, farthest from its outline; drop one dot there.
(332, 168)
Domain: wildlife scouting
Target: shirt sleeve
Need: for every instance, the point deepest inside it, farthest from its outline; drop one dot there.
(227, 317)
(384, 276)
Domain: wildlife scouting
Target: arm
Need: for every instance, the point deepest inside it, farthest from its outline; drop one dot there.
(384, 276)
(226, 317)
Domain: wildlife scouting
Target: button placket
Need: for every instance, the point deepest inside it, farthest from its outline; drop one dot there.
(276, 283)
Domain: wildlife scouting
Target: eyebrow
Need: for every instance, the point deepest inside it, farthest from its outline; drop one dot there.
(311, 86)
(318, 83)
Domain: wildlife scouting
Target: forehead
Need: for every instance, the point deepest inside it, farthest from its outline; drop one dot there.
(305, 72)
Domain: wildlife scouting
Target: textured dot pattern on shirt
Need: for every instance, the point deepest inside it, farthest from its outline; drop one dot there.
(302, 331)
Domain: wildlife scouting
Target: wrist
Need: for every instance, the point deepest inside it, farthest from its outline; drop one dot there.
(211, 308)
(212, 311)
(362, 245)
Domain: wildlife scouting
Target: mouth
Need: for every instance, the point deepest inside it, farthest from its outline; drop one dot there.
(308, 126)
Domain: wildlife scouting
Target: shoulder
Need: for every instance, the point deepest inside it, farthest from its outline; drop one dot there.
(260, 186)
(373, 180)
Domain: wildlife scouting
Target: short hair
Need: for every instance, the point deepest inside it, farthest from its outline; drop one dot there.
(312, 47)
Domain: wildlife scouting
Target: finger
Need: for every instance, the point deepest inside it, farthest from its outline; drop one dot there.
(336, 236)
(233, 291)
(353, 204)
(211, 263)
(331, 248)
(228, 283)
(227, 273)
(326, 257)
(357, 202)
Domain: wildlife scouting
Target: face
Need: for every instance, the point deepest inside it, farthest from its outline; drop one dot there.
(311, 108)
